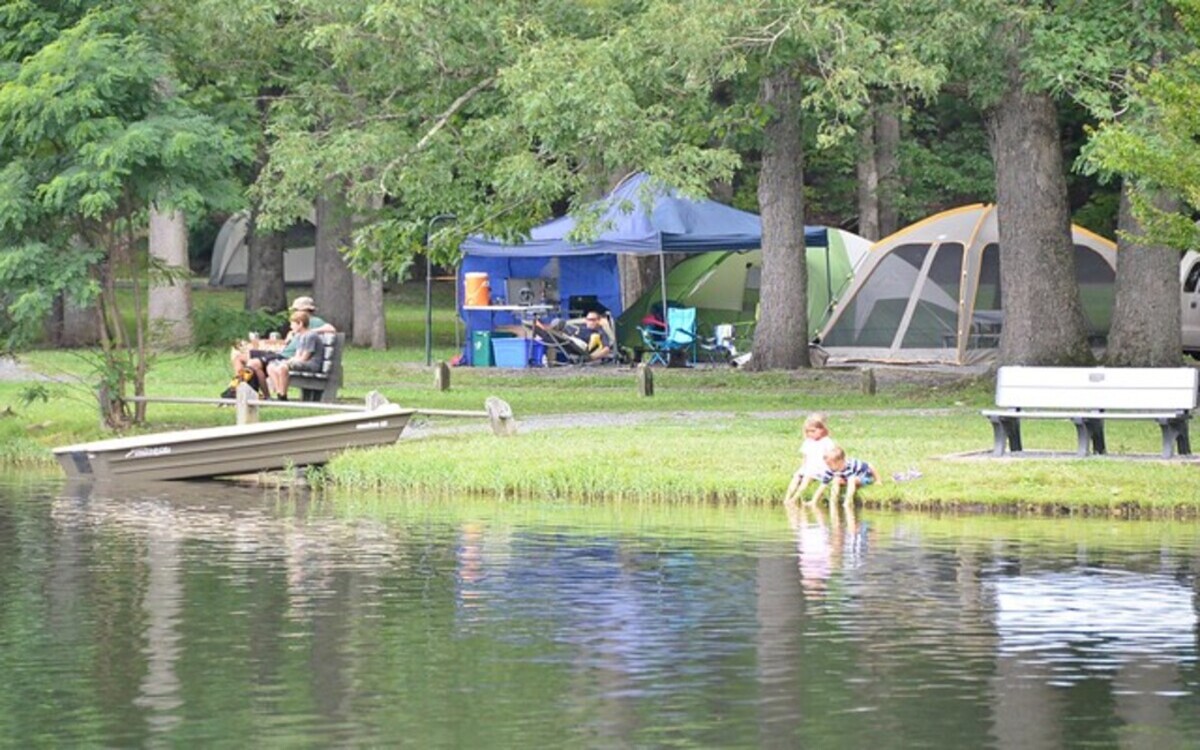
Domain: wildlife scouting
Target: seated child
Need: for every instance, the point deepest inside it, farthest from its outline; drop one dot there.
(842, 471)
(816, 444)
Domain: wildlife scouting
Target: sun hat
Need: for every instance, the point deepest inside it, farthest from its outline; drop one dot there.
(304, 303)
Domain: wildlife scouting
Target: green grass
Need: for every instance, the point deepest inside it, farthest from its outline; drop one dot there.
(746, 459)
(711, 436)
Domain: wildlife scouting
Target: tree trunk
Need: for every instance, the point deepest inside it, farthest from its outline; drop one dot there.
(781, 337)
(887, 165)
(868, 179)
(333, 283)
(639, 275)
(369, 322)
(170, 299)
(71, 326)
(1043, 316)
(1146, 327)
(264, 267)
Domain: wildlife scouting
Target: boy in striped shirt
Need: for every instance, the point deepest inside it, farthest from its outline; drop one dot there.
(841, 471)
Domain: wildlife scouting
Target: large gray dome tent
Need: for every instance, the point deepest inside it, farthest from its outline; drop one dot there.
(228, 267)
(931, 292)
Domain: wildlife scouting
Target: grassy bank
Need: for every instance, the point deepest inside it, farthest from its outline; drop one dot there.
(707, 435)
(749, 459)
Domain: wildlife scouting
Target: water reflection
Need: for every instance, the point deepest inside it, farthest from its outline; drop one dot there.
(194, 614)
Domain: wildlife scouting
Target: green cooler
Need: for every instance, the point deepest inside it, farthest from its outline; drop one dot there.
(481, 349)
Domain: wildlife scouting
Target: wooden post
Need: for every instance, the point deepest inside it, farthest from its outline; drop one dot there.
(868, 381)
(375, 399)
(501, 416)
(645, 380)
(441, 376)
(247, 404)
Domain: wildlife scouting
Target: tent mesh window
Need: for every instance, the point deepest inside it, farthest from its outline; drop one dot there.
(1096, 289)
(987, 296)
(934, 322)
(872, 317)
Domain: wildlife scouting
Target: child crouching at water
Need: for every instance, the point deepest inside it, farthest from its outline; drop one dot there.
(816, 444)
(842, 471)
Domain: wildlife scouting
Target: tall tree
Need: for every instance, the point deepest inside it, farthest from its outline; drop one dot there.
(170, 280)
(1149, 139)
(1146, 322)
(333, 283)
(236, 59)
(1043, 313)
(1038, 54)
(91, 141)
(781, 201)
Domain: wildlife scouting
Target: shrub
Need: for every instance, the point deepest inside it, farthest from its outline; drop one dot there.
(215, 327)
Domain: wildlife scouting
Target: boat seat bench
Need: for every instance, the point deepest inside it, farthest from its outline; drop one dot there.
(1090, 396)
(323, 385)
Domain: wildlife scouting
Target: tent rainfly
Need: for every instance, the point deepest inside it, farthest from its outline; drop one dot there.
(931, 292)
(229, 261)
(639, 217)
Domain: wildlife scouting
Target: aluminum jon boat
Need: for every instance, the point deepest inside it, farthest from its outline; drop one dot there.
(240, 449)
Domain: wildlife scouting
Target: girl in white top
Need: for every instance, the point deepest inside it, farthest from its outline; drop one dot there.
(816, 444)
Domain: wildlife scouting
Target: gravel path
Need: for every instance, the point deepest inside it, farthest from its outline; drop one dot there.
(421, 428)
(11, 369)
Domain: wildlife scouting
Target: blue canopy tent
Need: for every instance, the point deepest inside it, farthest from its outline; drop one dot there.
(668, 223)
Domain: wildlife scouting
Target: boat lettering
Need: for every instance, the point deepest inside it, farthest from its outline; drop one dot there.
(371, 425)
(158, 450)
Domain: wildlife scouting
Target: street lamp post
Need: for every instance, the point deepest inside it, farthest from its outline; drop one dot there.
(429, 287)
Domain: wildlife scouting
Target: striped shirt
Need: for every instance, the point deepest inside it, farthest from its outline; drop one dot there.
(853, 468)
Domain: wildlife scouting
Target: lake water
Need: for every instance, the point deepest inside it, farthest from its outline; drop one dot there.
(209, 615)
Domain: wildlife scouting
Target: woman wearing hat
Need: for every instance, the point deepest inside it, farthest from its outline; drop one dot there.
(257, 360)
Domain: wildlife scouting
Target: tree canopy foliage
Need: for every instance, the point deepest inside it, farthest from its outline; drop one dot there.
(506, 113)
(92, 134)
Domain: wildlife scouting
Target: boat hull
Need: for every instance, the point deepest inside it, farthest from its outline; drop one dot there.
(222, 451)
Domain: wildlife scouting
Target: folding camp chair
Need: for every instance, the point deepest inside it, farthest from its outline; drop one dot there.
(721, 346)
(562, 346)
(666, 347)
(568, 342)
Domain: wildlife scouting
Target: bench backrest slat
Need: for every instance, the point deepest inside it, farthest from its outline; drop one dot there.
(1097, 387)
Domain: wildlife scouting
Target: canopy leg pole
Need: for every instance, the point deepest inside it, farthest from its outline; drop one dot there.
(428, 306)
(662, 280)
(457, 309)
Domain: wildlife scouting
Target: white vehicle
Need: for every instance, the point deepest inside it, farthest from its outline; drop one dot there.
(1189, 280)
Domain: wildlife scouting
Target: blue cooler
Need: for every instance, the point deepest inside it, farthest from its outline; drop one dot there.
(510, 352)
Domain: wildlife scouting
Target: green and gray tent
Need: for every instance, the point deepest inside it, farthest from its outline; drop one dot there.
(930, 293)
(724, 286)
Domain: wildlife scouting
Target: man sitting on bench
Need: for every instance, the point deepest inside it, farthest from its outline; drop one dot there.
(305, 358)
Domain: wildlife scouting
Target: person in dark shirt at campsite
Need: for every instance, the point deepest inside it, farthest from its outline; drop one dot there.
(595, 337)
(304, 359)
(590, 340)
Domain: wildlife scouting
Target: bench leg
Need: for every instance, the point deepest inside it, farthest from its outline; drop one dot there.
(1089, 431)
(1175, 432)
(1005, 430)
(1095, 428)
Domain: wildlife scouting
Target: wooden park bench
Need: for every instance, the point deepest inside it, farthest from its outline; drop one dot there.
(1088, 396)
(323, 385)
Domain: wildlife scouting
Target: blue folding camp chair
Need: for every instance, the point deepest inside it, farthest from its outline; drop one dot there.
(678, 339)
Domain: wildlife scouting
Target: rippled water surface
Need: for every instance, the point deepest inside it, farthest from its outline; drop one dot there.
(201, 614)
